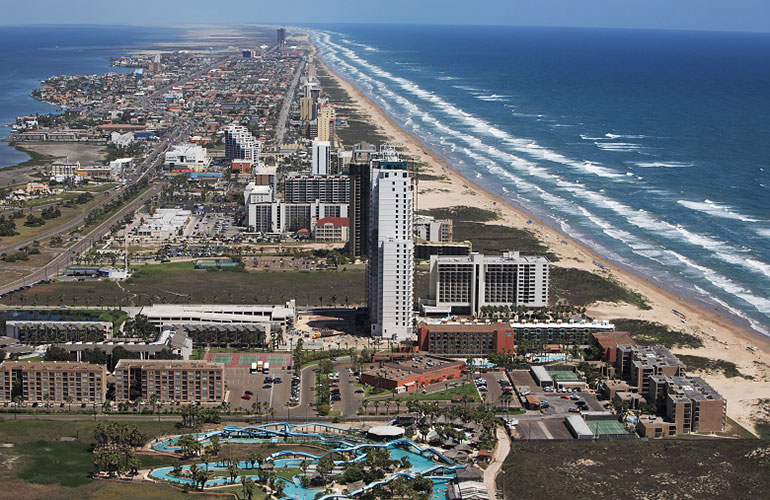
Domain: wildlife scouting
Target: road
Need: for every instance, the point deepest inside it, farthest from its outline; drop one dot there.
(283, 117)
(501, 452)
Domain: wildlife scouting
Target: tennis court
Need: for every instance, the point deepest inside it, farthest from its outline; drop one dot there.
(236, 359)
(564, 376)
(606, 427)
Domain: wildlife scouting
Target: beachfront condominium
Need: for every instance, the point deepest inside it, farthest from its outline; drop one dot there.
(52, 381)
(310, 188)
(183, 381)
(326, 120)
(320, 157)
(390, 285)
(240, 144)
(466, 284)
(307, 109)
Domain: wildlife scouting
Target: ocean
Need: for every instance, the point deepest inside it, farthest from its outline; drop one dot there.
(649, 146)
(33, 53)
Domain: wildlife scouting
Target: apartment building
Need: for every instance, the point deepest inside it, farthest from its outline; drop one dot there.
(240, 144)
(183, 381)
(427, 228)
(465, 284)
(331, 229)
(311, 188)
(390, 269)
(53, 381)
(321, 156)
(47, 332)
(480, 338)
(326, 120)
(637, 364)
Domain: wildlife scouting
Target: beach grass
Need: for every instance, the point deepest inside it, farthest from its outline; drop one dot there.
(607, 469)
(709, 365)
(461, 213)
(651, 333)
(582, 288)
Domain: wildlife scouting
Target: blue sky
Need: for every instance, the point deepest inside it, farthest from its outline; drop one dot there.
(729, 15)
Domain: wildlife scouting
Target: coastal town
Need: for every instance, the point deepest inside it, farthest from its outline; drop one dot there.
(224, 269)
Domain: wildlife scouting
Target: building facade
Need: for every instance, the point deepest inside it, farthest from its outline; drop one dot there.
(240, 144)
(466, 284)
(53, 381)
(48, 332)
(183, 381)
(390, 269)
(326, 119)
(411, 374)
(311, 188)
(428, 228)
(465, 339)
(321, 156)
(331, 229)
(186, 158)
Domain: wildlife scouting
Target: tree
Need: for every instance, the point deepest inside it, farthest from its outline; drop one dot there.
(232, 471)
(248, 487)
(325, 467)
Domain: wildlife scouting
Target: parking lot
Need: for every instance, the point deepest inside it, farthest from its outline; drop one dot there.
(542, 428)
(556, 403)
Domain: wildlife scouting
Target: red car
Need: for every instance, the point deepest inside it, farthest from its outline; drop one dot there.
(246, 396)
(564, 397)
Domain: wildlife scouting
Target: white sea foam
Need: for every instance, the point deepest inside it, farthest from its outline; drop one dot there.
(617, 146)
(664, 164)
(624, 136)
(716, 209)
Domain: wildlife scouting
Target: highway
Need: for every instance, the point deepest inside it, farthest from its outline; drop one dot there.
(283, 117)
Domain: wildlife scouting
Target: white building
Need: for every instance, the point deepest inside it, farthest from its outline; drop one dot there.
(465, 284)
(427, 228)
(240, 144)
(321, 156)
(186, 157)
(390, 285)
(163, 223)
(120, 166)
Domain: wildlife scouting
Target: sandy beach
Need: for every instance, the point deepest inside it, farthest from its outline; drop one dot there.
(723, 338)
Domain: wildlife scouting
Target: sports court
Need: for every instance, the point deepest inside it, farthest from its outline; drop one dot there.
(279, 360)
(607, 428)
(564, 376)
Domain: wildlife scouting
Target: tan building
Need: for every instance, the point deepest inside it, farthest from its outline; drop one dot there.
(694, 406)
(655, 427)
(183, 381)
(636, 364)
(331, 229)
(58, 380)
(306, 108)
(326, 119)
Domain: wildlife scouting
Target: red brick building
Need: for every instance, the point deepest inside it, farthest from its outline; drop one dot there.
(411, 374)
(609, 341)
(465, 339)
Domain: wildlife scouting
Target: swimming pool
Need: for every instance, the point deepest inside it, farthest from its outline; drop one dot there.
(423, 460)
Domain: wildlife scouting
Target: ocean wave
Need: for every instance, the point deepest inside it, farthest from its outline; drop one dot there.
(664, 164)
(617, 146)
(623, 136)
(447, 78)
(493, 97)
(716, 209)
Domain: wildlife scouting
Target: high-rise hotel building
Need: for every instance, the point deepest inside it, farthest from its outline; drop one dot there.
(390, 285)
(465, 284)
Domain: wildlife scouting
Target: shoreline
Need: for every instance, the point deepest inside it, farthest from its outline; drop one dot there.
(724, 335)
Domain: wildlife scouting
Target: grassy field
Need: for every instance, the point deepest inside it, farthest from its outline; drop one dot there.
(582, 288)
(43, 466)
(670, 469)
(180, 283)
(649, 333)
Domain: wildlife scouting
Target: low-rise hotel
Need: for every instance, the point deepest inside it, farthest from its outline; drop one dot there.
(52, 381)
(182, 381)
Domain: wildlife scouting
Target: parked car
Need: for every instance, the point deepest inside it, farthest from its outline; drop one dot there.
(246, 396)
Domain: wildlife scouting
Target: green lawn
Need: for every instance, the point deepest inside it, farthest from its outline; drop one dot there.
(467, 389)
(582, 288)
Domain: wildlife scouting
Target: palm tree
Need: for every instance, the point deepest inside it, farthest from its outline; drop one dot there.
(69, 403)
